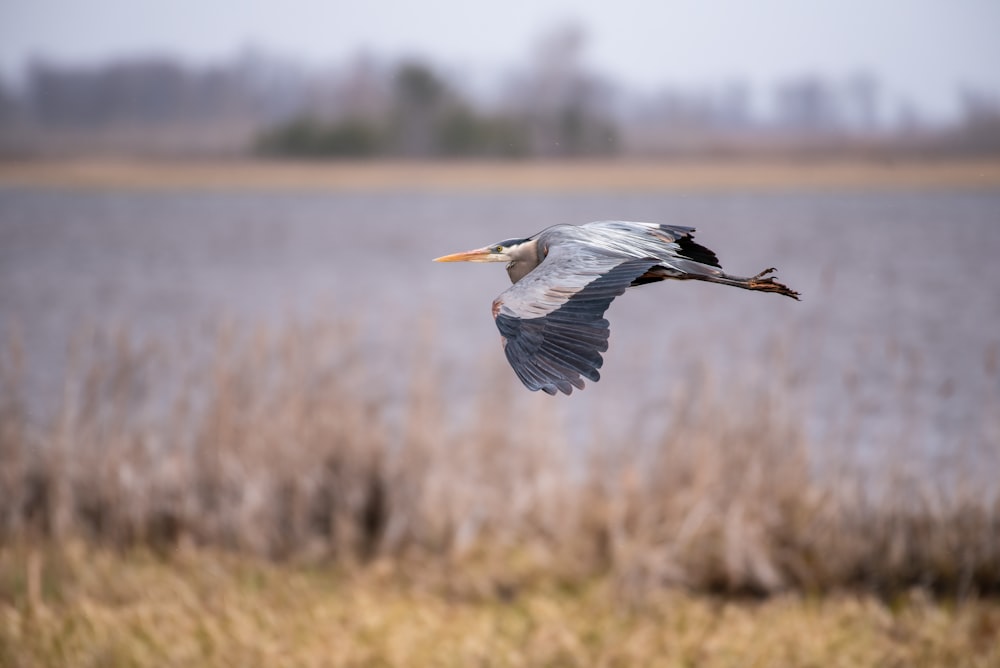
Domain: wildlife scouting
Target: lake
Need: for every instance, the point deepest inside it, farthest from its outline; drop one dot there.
(897, 335)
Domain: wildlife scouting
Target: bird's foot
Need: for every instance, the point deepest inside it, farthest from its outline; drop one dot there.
(769, 270)
(767, 283)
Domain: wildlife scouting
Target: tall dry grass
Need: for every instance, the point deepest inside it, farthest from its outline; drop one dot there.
(285, 444)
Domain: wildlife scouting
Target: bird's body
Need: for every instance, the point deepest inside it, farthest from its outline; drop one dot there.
(565, 277)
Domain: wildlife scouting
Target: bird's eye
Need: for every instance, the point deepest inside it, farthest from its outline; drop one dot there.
(498, 249)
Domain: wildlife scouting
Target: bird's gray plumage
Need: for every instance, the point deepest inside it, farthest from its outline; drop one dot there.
(562, 344)
(564, 278)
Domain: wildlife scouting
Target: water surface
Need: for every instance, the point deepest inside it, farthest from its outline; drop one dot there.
(897, 336)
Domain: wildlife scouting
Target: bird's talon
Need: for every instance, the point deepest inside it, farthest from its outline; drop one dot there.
(769, 270)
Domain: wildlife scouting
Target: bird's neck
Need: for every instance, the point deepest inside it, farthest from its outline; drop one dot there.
(525, 258)
(518, 269)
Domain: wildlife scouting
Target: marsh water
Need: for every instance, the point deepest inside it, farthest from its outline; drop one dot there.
(897, 335)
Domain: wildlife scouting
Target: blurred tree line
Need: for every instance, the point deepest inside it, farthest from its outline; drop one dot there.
(552, 106)
(555, 110)
(427, 118)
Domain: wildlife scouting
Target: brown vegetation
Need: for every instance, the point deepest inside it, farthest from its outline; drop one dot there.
(205, 608)
(275, 444)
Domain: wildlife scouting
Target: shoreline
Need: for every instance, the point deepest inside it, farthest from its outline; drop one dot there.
(470, 176)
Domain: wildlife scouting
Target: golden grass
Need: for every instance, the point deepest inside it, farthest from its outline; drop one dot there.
(206, 608)
(558, 176)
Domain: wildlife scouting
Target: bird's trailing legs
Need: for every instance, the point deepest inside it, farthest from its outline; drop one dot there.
(761, 281)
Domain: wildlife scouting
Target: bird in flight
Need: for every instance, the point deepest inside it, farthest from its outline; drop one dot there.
(551, 319)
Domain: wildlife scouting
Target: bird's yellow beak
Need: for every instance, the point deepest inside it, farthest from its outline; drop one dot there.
(478, 255)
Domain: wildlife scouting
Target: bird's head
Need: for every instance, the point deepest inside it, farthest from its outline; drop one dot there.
(503, 251)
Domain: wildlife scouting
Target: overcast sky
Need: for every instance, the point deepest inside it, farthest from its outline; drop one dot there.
(923, 50)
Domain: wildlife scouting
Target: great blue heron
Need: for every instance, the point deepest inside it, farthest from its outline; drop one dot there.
(565, 277)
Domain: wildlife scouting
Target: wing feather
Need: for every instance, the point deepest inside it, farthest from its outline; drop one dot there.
(552, 321)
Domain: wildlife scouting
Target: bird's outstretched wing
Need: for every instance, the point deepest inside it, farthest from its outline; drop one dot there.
(552, 321)
(631, 239)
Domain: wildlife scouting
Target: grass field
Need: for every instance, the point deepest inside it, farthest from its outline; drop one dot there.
(200, 607)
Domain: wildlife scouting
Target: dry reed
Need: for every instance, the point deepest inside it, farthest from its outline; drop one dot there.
(283, 445)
